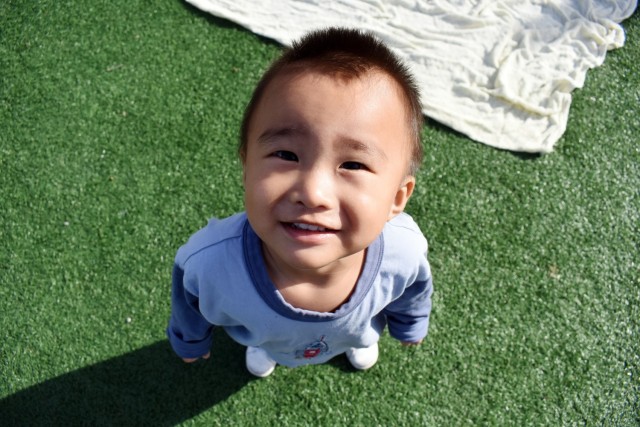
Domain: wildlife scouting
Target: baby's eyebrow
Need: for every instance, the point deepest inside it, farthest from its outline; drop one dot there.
(350, 145)
(285, 131)
(344, 144)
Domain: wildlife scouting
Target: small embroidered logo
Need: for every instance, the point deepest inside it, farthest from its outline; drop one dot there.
(313, 350)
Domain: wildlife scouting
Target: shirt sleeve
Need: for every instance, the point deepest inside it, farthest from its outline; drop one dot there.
(408, 316)
(189, 333)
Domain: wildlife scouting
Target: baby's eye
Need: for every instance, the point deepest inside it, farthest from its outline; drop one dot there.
(286, 155)
(354, 166)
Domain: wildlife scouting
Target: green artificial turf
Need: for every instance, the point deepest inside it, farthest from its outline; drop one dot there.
(118, 127)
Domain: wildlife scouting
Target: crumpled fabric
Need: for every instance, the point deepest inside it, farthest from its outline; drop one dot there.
(499, 71)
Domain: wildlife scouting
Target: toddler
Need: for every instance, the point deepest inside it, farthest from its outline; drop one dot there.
(323, 258)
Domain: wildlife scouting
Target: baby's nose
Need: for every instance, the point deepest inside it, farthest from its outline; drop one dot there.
(315, 189)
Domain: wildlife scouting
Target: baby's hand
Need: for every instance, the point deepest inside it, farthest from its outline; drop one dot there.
(191, 360)
(411, 343)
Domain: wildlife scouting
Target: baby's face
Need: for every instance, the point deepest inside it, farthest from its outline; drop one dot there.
(325, 167)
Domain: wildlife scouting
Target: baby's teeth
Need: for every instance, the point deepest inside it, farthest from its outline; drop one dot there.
(308, 227)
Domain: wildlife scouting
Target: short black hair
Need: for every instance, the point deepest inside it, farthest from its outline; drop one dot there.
(346, 53)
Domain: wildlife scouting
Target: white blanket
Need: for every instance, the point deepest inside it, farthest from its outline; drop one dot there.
(499, 71)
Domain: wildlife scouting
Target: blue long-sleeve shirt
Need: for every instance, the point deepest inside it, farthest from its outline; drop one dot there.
(220, 278)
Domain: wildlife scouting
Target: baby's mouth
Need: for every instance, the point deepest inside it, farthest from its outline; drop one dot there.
(309, 227)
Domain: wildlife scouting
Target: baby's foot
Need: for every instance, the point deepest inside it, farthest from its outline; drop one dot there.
(363, 358)
(259, 363)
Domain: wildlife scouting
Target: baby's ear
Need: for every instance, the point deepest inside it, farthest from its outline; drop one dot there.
(244, 171)
(402, 196)
(242, 155)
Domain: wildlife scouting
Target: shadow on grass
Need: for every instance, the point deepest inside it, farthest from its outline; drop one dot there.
(149, 386)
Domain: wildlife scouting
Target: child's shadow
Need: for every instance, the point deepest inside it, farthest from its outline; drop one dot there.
(149, 386)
